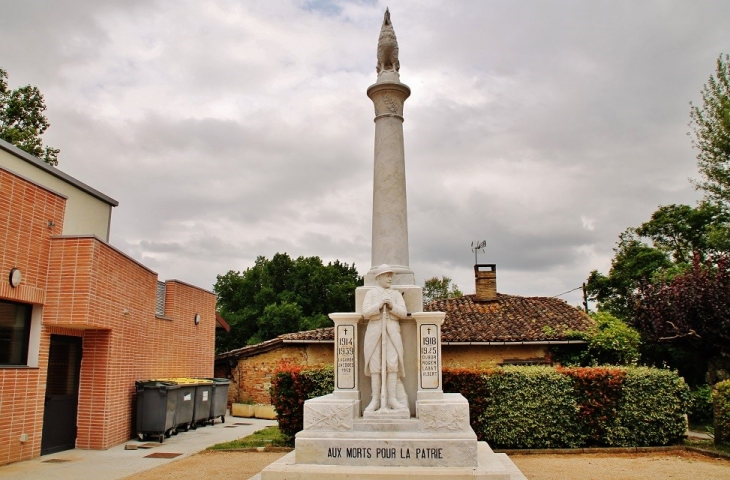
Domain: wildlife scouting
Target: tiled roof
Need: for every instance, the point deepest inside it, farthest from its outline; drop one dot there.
(508, 319)
(309, 336)
(319, 335)
(251, 350)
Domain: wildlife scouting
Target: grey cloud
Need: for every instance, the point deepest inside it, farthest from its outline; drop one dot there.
(232, 130)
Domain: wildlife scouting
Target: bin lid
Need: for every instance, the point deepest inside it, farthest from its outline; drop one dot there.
(156, 384)
(219, 381)
(187, 381)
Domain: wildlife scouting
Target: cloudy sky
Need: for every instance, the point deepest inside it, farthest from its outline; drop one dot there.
(231, 129)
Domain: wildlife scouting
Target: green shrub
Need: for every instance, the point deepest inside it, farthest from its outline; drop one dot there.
(609, 342)
(612, 342)
(721, 402)
(537, 407)
(700, 408)
(651, 409)
(530, 407)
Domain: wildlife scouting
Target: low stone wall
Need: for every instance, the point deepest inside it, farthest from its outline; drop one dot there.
(251, 377)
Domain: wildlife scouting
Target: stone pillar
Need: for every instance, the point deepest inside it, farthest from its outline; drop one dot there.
(347, 356)
(390, 215)
(428, 330)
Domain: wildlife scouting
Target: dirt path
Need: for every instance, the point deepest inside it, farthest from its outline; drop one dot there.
(211, 464)
(670, 465)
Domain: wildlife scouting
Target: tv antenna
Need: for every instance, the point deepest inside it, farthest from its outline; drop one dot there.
(476, 247)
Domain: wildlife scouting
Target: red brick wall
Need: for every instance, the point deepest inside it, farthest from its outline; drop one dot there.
(185, 349)
(89, 289)
(25, 238)
(113, 293)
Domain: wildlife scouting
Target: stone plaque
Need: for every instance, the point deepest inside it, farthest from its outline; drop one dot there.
(345, 352)
(417, 450)
(429, 356)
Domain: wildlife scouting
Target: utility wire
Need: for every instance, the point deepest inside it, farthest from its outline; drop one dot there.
(559, 294)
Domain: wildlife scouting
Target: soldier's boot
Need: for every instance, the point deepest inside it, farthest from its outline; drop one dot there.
(392, 386)
(375, 402)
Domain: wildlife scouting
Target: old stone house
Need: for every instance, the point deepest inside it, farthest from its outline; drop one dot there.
(484, 328)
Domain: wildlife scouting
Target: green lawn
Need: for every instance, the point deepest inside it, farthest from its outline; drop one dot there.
(268, 437)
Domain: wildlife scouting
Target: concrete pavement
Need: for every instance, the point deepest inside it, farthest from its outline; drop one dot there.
(116, 462)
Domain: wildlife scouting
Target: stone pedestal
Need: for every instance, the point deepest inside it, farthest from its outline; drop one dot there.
(336, 443)
(489, 466)
(438, 442)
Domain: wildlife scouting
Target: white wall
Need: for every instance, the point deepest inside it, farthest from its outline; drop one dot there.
(86, 213)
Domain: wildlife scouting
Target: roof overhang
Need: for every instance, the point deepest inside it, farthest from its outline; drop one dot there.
(538, 342)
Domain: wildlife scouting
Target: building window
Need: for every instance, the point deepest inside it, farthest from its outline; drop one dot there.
(160, 300)
(15, 319)
(525, 362)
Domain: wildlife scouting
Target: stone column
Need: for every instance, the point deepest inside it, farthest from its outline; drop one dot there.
(390, 215)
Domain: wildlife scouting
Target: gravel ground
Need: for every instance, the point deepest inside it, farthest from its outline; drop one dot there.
(670, 465)
(215, 465)
(675, 465)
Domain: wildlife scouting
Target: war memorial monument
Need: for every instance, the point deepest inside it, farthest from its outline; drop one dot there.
(388, 417)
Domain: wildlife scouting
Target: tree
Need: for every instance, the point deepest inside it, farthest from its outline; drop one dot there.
(282, 295)
(439, 289)
(711, 133)
(689, 311)
(634, 260)
(661, 247)
(682, 231)
(22, 121)
(666, 278)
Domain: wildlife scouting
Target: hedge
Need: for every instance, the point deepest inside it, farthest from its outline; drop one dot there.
(537, 407)
(291, 385)
(529, 407)
(721, 401)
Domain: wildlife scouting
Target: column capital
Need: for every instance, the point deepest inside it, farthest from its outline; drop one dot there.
(389, 98)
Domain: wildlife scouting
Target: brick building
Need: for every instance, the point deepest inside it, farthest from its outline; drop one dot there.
(480, 329)
(79, 320)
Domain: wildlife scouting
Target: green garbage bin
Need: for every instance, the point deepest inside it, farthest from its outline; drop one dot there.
(219, 402)
(156, 408)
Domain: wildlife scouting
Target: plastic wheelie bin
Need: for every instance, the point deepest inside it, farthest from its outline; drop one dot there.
(203, 397)
(156, 408)
(185, 407)
(185, 403)
(194, 402)
(219, 402)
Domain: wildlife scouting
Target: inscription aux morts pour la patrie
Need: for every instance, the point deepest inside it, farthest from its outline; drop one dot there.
(385, 452)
